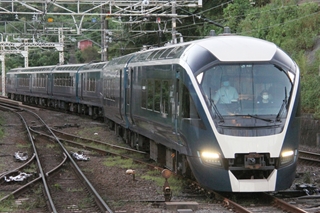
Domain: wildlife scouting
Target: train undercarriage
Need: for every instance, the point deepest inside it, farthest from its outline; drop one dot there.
(83, 109)
(164, 156)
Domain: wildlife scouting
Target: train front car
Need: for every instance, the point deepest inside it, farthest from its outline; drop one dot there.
(249, 92)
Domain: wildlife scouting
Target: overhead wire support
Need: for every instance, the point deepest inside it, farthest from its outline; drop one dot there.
(42, 10)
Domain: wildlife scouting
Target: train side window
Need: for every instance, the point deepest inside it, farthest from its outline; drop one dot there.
(144, 94)
(175, 53)
(159, 53)
(150, 57)
(157, 95)
(165, 97)
(187, 106)
(94, 82)
(109, 88)
(165, 53)
(150, 91)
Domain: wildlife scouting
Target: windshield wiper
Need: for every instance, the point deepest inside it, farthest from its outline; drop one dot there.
(257, 117)
(284, 103)
(214, 106)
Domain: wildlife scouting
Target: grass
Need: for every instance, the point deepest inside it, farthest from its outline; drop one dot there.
(8, 204)
(57, 187)
(51, 145)
(89, 132)
(32, 168)
(176, 184)
(22, 146)
(121, 163)
(85, 202)
(74, 190)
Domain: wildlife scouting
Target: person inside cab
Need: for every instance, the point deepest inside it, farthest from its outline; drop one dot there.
(264, 98)
(226, 94)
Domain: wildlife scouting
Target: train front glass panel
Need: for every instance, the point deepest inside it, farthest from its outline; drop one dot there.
(242, 107)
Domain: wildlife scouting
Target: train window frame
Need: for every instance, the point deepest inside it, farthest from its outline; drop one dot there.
(158, 54)
(156, 98)
(258, 75)
(165, 53)
(141, 56)
(151, 56)
(23, 80)
(177, 52)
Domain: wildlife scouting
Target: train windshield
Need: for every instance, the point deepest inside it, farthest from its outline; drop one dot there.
(253, 90)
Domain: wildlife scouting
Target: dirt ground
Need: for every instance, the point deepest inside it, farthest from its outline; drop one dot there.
(119, 190)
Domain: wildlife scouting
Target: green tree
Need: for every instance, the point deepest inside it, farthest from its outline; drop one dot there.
(43, 58)
(234, 13)
(294, 28)
(88, 54)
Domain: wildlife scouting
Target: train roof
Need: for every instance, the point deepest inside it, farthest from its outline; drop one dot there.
(224, 48)
(95, 66)
(239, 48)
(230, 48)
(32, 69)
(69, 67)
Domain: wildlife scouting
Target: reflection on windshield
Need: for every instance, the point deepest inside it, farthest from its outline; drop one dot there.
(247, 89)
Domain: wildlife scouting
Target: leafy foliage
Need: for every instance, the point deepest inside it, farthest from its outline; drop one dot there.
(290, 25)
(87, 55)
(294, 28)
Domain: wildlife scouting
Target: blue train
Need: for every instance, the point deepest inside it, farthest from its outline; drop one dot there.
(224, 109)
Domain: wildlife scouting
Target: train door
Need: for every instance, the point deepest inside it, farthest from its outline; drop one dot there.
(174, 99)
(82, 85)
(47, 83)
(30, 82)
(123, 95)
(129, 95)
(50, 83)
(125, 109)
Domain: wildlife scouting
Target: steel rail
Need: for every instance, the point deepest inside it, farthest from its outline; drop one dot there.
(16, 169)
(33, 181)
(42, 175)
(101, 203)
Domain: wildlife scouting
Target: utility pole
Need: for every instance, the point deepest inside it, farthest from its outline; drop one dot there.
(104, 29)
(3, 73)
(61, 41)
(174, 23)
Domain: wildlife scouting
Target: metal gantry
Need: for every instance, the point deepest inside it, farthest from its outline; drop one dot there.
(35, 19)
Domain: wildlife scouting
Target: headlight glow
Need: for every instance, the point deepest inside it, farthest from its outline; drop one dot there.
(287, 153)
(212, 158)
(287, 157)
(210, 155)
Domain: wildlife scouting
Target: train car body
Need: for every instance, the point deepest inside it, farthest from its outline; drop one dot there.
(114, 91)
(195, 107)
(75, 87)
(65, 83)
(169, 96)
(29, 83)
(90, 87)
(11, 81)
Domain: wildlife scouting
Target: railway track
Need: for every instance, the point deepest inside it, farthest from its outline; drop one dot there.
(221, 203)
(273, 205)
(69, 183)
(310, 158)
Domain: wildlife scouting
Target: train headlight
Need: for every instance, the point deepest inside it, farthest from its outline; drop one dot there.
(212, 158)
(287, 157)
